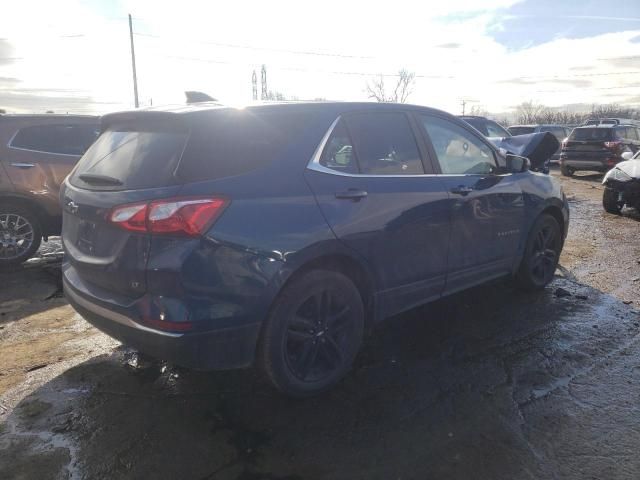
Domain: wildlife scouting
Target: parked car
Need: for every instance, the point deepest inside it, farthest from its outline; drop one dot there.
(274, 235)
(559, 131)
(486, 127)
(36, 154)
(612, 121)
(597, 147)
(622, 184)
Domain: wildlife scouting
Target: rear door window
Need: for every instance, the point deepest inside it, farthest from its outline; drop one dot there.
(458, 151)
(384, 144)
(632, 133)
(132, 158)
(621, 132)
(56, 139)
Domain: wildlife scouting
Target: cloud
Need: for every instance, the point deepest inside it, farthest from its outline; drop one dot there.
(635, 39)
(6, 52)
(449, 45)
(582, 68)
(632, 61)
(8, 81)
(578, 83)
(40, 101)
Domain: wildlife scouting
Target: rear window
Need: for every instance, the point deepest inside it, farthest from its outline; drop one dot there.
(591, 134)
(57, 139)
(234, 142)
(132, 158)
(521, 130)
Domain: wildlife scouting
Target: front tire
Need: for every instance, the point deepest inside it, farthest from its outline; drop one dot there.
(20, 234)
(541, 255)
(313, 333)
(610, 201)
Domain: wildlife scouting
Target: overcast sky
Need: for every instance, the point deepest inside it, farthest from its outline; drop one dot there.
(73, 55)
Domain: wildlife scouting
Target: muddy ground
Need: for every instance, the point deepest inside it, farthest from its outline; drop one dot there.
(489, 384)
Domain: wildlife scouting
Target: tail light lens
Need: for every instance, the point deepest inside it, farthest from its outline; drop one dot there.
(613, 146)
(176, 216)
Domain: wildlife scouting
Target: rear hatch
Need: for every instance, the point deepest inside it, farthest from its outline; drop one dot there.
(590, 142)
(133, 160)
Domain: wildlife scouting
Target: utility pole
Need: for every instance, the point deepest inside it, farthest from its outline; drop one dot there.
(254, 85)
(464, 103)
(133, 65)
(264, 83)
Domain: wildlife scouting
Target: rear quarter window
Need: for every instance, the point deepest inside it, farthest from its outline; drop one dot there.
(231, 143)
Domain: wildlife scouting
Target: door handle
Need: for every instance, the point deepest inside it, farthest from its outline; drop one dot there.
(22, 165)
(351, 194)
(461, 190)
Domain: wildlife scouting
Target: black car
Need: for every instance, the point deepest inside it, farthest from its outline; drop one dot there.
(597, 147)
(277, 234)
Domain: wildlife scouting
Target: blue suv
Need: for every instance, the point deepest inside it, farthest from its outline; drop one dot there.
(275, 235)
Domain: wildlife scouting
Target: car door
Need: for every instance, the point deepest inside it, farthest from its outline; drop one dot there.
(486, 208)
(40, 156)
(634, 139)
(375, 187)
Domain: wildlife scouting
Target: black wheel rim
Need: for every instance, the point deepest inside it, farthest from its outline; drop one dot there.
(544, 255)
(319, 335)
(16, 236)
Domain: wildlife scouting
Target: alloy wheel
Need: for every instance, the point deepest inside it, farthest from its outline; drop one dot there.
(319, 335)
(16, 235)
(544, 255)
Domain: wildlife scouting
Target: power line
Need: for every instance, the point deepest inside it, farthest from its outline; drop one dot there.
(263, 49)
(374, 74)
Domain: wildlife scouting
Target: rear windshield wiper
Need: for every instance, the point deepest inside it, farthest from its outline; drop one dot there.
(96, 179)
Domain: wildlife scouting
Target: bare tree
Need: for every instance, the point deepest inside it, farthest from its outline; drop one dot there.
(377, 90)
(479, 111)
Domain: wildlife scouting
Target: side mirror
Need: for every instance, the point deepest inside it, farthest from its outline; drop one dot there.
(517, 164)
(627, 155)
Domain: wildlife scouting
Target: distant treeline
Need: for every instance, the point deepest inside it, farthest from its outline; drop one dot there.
(534, 113)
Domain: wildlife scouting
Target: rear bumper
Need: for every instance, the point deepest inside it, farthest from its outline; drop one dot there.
(217, 349)
(598, 165)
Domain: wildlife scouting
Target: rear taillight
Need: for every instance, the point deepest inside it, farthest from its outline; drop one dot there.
(175, 216)
(613, 146)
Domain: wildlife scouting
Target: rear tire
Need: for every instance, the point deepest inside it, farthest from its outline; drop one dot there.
(541, 255)
(20, 234)
(610, 201)
(313, 333)
(566, 171)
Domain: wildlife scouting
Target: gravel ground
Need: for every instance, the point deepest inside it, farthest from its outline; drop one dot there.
(487, 384)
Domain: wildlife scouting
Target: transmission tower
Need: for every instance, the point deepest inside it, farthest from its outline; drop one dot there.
(254, 85)
(264, 83)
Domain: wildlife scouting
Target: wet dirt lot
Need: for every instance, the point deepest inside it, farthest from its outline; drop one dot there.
(488, 384)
